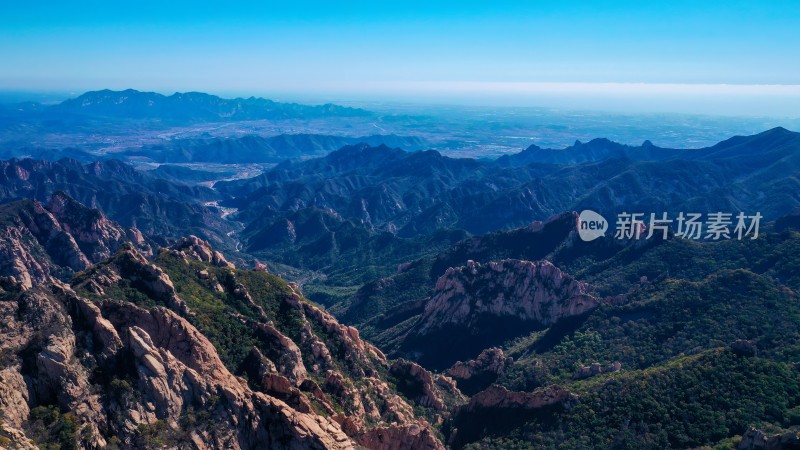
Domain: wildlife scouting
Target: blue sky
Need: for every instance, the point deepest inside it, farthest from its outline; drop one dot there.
(402, 49)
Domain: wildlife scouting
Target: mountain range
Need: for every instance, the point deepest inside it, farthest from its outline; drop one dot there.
(157, 207)
(317, 212)
(137, 127)
(436, 302)
(184, 107)
(663, 319)
(187, 348)
(777, 140)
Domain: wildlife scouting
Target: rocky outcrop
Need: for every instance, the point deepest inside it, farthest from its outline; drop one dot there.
(42, 365)
(281, 387)
(131, 265)
(477, 374)
(307, 381)
(500, 408)
(527, 290)
(366, 403)
(196, 248)
(38, 241)
(596, 369)
(418, 384)
(414, 436)
(348, 334)
(491, 360)
(480, 305)
(14, 408)
(754, 439)
(96, 235)
(285, 354)
(371, 407)
(174, 371)
(500, 397)
(34, 245)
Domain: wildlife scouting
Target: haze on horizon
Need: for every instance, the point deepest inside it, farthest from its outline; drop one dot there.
(715, 57)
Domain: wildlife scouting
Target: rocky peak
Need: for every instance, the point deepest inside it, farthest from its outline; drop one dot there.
(755, 439)
(500, 397)
(157, 370)
(476, 306)
(413, 436)
(477, 374)
(96, 235)
(38, 241)
(422, 386)
(298, 356)
(196, 248)
(131, 265)
(530, 291)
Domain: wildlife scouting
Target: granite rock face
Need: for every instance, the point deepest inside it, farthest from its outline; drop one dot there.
(57, 239)
(423, 387)
(531, 291)
(201, 250)
(174, 368)
(755, 439)
(132, 374)
(477, 306)
(477, 374)
(413, 436)
(500, 397)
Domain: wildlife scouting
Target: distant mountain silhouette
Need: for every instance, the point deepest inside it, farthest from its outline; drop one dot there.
(192, 106)
(414, 193)
(602, 149)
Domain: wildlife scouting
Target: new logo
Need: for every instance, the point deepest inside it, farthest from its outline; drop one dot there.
(591, 225)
